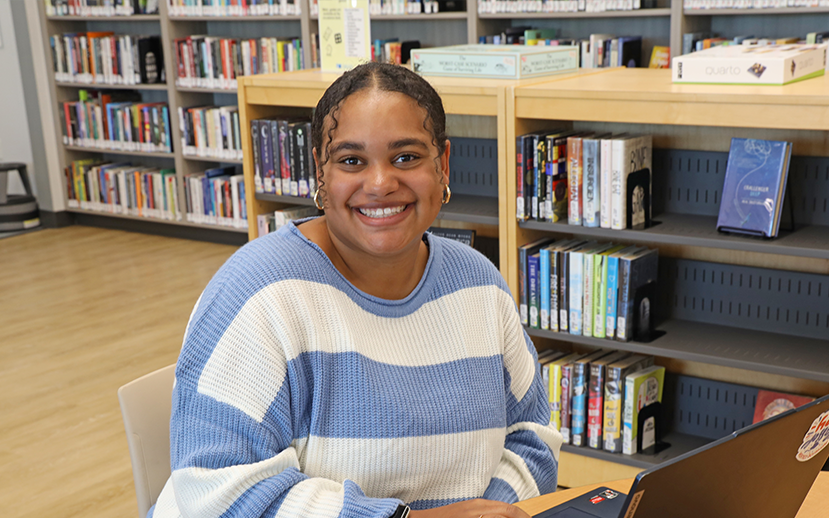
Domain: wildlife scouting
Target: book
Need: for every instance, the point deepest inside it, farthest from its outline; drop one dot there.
(642, 388)
(778, 64)
(554, 253)
(591, 187)
(612, 290)
(555, 368)
(533, 306)
(614, 396)
(575, 287)
(637, 289)
(588, 281)
(630, 153)
(605, 178)
(557, 172)
(754, 187)
(769, 404)
(630, 52)
(566, 400)
(575, 178)
(258, 178)
(524, 252)
(600, 274)
(495, 61)
(544, 274)
(595, 397)
(578, 417)
(660, 57)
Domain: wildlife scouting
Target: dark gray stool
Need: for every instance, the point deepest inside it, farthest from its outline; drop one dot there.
(17, 211)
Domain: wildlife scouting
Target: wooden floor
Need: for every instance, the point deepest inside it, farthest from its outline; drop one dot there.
(83, 311)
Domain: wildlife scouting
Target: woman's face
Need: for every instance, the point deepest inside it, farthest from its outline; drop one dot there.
(383, 180)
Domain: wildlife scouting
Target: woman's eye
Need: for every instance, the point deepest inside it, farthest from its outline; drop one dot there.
(406, 157)
(350, 160)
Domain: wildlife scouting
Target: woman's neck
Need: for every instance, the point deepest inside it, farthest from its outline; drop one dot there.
(389, 277)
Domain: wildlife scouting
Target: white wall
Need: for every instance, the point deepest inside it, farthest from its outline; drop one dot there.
(15, 141)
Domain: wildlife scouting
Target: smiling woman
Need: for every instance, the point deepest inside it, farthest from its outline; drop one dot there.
(353, 364)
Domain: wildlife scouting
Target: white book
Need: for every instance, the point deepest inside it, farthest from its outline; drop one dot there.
(629, 154)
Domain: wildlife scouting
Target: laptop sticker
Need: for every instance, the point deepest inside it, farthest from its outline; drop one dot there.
(634, 504)
(816, 438)
(609, 494)
(596, 499)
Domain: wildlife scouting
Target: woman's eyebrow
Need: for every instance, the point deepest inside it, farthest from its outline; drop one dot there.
(353, 146)
(397, 144)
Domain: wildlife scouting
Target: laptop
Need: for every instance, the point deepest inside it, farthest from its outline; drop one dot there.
(761, 471)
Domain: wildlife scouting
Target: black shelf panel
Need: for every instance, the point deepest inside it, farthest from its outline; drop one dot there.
(471, 209)
(694, 230)
(680, 445)
(294, 200)
(772, 353)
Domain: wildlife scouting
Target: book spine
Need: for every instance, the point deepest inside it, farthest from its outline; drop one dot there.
(579, 403)
(566, 400)
(529, 175)
(520, 211)
(549, 169)
(618, 185)
(559, 188)
(532, 277)
(266, 152)
(532, 169)
(605, 183)
(284, 157)
(576, 291)
(523, 296)
(624, 306)
(544, 288)
(277, 169)
(612, 287)
(613, 391)
(555, 395)
(540, 165)
(295, 172)
(590, 187)
(630, 416)
(599, 295)
(564, 295)
(258, 178)
(595, 403)
(587, 297)
(554, 268)
(574, 180)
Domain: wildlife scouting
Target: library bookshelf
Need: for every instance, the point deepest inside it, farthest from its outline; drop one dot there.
(747, 340)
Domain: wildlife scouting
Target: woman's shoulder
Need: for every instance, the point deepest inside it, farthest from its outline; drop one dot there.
(463, 266)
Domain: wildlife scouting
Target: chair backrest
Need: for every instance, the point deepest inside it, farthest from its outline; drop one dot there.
(145, 406)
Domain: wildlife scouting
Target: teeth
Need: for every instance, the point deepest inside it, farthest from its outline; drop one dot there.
(383, 212)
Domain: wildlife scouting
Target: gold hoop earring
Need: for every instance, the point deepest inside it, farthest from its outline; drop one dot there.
(317, 200)
(447, 194)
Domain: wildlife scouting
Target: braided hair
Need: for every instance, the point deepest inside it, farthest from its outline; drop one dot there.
(385, 77)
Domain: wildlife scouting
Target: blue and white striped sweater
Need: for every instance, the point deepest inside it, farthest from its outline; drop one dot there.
(298, 395)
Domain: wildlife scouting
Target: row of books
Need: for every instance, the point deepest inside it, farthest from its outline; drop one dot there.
(698, 41)
(123, 188)
(213, 62)
(211, 132)
(608, 51)
(380, 7)
(590, 179)
(560, 6)
(234, 7)
(752, 4)
(282, 158)
(273, 221)
(106, 58)
(100, 7)
(603, 399)
(585, 288)
(216, 197)
(118, 121)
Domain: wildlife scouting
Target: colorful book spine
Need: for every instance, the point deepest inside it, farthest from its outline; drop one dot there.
(566, 400)
(612, 287)
(591, 206)
(578, 411)
(520, 210)
(576, 291)
(587, 296)
(533, 278)
(599, 295)
(544, 288)
(614, 397)
(595, 400)
(563, 293)
(642, 388)
(574, 180)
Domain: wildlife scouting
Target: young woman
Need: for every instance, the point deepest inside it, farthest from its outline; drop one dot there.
(352, 364)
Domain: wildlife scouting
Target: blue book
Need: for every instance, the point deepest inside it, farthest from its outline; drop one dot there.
(612, 290)
(532, 277)
(544, 287)
(591, 187)
(755, 182)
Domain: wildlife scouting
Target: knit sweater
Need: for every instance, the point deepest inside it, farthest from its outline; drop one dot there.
(297, 394)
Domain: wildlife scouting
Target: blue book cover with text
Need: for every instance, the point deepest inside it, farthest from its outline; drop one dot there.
(755, 183)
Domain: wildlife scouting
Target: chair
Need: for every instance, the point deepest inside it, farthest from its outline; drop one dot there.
(145, 406)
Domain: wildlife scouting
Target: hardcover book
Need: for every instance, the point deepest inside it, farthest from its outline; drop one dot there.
(642, 389)
(614, 397)
(575, 287)
(636, 295)
(581, 377)
(524, 252)
(754, 187)
(591, 187)
(556, 368)
(612, 290)
(575, 178)
(600, 279)
(595, 397)
(630, 154)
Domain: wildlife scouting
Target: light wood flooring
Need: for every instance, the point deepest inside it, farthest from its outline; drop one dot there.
(83, 311)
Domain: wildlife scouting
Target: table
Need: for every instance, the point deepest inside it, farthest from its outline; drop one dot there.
(815, 505)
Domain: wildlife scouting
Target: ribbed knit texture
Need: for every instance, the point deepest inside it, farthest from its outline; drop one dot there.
(299, 395)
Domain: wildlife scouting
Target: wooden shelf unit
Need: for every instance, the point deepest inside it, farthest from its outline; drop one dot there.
(645, 101)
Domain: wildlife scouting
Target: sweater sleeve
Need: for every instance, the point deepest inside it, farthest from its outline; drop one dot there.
(529, 462)
(236, 431)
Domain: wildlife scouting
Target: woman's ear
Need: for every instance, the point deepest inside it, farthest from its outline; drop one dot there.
(444, 163)
(316, 165)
